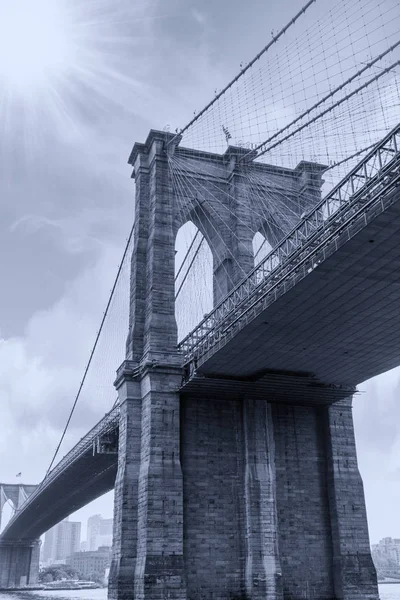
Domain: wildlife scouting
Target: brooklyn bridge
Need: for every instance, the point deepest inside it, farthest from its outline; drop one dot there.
(229, 441)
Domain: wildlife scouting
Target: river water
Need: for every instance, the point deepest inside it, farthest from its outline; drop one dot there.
(388, 591)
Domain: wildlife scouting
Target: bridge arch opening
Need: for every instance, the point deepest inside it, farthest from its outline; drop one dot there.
(261, 247)
(193, 278)
(6, 513)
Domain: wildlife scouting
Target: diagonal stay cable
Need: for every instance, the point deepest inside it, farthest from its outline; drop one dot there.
(94, 347)
(246, 68)
(190, 186)
(190, 266)
(178, 190)
(341, 162)
(262, 149)
(354, 76)
(344, 204)
(187, 253)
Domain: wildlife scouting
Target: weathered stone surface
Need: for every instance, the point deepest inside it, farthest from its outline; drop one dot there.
(19, 563)
(148, 529)
(302, 503)
(263, 574)
(213, 499)
(353, 570)
(126, 493)
(159, 570)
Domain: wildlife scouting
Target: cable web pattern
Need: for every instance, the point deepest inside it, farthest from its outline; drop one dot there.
(317, 58)
(326, 91)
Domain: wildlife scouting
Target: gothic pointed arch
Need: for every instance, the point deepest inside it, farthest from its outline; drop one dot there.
(261, 247)
(193, 277)
(6, 513)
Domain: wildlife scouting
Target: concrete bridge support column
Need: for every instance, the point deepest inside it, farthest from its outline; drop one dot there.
(304, 529)
(19, 563)
(353, 570)
(148, 516)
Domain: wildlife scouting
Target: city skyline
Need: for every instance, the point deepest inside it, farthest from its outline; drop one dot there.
(61, 540)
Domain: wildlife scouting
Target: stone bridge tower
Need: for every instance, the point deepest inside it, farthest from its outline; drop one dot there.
(218, 498)
(19, 560)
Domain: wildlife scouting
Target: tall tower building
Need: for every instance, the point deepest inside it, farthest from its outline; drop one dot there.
(99, 532)
(48, 548)
(61, 540)
(93, 526)
(68, 539)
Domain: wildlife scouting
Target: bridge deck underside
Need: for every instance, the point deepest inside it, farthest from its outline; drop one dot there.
(84, 480)
(277, 387)
(340, 323)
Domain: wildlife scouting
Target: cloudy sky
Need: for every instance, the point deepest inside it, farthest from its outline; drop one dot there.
(80, 82)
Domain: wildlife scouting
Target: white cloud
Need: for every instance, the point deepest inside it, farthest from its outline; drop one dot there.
(376, 417)
(40, 372)
(199, 17)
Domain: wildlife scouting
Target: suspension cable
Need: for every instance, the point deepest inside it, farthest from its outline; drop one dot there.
(243, 71)
(190, 265)
(186, 255)
(261, 148)
(341, 162)
(94, 347)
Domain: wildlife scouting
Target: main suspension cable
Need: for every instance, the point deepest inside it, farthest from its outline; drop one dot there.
(94, 347)
(244, 70)
(261, 148)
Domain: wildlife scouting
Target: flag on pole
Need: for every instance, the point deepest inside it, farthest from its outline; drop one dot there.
(227, 134)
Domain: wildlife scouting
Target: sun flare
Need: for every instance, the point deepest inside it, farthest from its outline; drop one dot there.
(62, 64)
(35, 44)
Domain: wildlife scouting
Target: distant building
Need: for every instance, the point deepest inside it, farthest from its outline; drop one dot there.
(91, 562)
(68, 539)
(99, 532)
(84, 546)
(47, 549)
(386, 557)
(388, 548)
(61, 540)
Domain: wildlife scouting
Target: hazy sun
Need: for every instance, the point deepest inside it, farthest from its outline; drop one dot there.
(35, 43)
(60, 62)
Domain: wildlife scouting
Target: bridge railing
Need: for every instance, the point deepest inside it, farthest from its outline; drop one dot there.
(107, 423)
(344, 201)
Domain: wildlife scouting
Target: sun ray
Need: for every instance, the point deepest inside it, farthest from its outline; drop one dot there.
(35, 43)
(63, 60)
